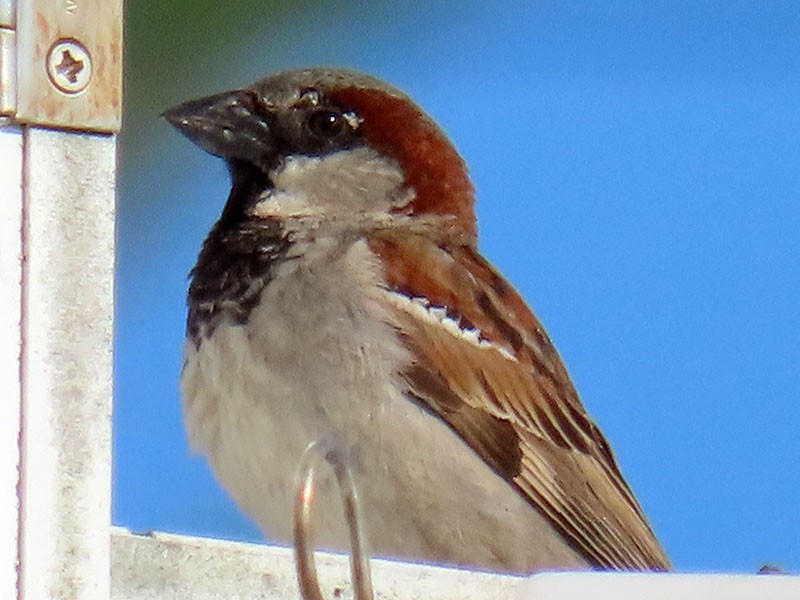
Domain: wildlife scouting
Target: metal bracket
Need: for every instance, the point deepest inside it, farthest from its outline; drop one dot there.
(61, 63)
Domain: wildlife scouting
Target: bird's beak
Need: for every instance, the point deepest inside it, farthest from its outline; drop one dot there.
(232, 125)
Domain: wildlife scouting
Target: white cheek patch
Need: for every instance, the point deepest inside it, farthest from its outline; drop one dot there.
(277, 203)
(350, 182)
(422, 309)
(287, 198)
(296, 167)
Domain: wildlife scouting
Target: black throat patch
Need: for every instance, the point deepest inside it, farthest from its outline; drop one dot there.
(236, 262)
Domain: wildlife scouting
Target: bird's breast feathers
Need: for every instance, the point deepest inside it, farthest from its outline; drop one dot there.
(419, 389)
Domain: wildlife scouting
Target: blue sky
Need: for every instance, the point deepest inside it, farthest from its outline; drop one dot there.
(637, 168)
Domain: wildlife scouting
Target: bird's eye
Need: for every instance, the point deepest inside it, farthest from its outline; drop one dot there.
(326, 123)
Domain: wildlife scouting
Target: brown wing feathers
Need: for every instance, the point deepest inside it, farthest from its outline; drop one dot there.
(505, 391)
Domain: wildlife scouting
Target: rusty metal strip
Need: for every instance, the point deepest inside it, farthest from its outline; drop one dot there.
(69, 64)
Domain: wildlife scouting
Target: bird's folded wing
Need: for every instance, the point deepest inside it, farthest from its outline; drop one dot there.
(487, 368)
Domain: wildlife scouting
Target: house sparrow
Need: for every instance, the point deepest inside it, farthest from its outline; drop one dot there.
(341, 299)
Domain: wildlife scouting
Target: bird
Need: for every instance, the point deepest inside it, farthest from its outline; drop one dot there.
(340, 299)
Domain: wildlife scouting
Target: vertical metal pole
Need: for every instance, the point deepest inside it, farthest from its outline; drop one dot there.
(67, 318)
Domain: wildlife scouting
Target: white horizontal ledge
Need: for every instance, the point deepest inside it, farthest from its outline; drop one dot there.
(163, 566)
(658, 586)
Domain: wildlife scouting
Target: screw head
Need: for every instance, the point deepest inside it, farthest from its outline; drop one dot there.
(69, 66)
